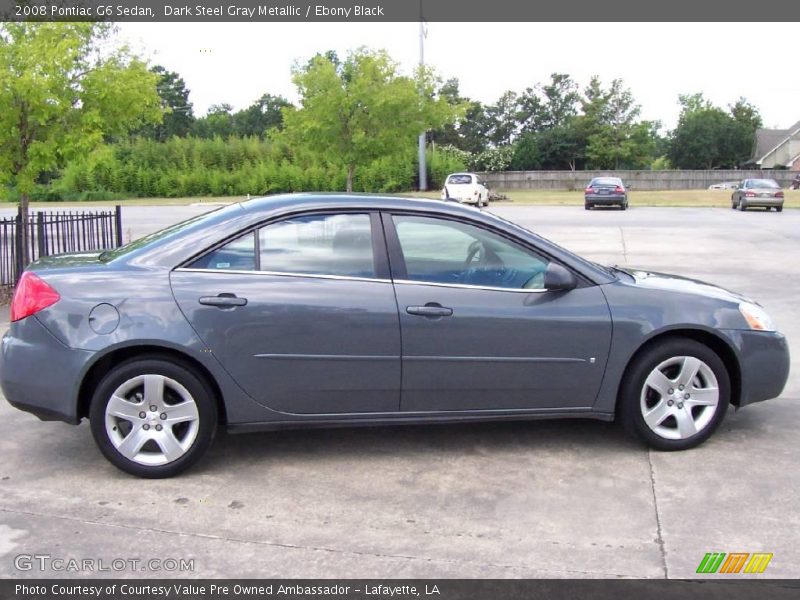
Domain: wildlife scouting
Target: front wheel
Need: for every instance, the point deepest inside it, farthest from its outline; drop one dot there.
(152, 417)
(674, 395)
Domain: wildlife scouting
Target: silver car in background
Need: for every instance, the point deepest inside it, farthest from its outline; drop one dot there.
(765, 193)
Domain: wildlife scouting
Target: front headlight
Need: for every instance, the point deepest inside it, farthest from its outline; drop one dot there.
(756, 317)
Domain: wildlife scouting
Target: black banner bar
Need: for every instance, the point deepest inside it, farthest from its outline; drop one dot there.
(398, 10)
(397, 589)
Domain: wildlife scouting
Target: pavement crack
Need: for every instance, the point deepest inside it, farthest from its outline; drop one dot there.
(659, 537)
(624, 246)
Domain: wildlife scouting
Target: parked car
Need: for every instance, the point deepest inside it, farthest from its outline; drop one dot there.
(467, 188)
(764, 193)
(605, 191)
(289, 311)
(725, 185)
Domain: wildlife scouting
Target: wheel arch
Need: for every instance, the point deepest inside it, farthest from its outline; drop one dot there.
(104, 364)
(715, 342)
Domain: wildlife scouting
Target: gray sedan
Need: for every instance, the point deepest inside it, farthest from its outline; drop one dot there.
(605, 191)
(765, 193)
(332, 310)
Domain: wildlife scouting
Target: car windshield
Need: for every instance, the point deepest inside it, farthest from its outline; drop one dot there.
(605, 181)
(459, 179)
(764, 183)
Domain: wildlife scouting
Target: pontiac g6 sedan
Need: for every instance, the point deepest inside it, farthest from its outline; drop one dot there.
(332, 310)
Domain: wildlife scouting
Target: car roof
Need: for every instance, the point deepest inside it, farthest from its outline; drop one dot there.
(181, 242)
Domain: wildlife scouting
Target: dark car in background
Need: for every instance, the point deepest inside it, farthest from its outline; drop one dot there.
(336, 310)
(605, 191)
(762, 193)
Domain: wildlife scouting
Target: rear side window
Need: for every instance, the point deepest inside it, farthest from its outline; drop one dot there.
(238, 255)
(319, 244)
(309, 245)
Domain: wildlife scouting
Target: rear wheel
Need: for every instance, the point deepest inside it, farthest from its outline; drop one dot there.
(587, 206)
(675, 394)
(779, 208)
(152, 417)
(742, 205)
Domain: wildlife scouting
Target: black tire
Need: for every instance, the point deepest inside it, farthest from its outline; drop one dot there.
(742, 205)
(186, 377)
(779, 208)
(587, 206)
(624, 206)
(629, 403)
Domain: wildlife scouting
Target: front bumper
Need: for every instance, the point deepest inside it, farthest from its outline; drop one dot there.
(764, 364)
(39, 374)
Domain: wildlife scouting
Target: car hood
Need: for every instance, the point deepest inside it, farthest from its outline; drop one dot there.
(684, 285)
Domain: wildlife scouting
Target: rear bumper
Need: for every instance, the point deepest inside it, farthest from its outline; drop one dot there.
(764, 364)
(756, 202)
(604, 199)
(39, 374)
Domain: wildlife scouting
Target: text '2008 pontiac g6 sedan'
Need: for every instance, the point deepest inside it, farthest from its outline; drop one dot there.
(324, 309)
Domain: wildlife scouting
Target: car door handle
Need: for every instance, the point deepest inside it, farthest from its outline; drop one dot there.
(430, 310)
(223, 301)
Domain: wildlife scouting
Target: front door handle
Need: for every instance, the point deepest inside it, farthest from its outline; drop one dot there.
(223, 300)
(430, 310)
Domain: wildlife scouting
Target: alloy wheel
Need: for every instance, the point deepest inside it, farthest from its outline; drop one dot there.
(152, 419)
(679, 398)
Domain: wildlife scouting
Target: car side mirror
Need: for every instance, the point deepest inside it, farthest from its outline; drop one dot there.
(559, 279)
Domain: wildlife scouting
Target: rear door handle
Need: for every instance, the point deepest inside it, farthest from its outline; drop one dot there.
(430, 310)
(223, 300)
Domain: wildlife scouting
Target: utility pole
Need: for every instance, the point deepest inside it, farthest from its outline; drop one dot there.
(423, 170)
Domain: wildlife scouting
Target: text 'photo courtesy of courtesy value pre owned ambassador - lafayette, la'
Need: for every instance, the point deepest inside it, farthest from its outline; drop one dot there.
(333, 310)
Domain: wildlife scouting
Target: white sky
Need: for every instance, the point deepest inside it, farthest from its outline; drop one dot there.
(237, 62)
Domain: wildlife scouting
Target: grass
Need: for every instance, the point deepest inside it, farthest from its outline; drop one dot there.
(686, 198)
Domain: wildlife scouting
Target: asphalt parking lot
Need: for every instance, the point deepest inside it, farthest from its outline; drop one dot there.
(536, 499)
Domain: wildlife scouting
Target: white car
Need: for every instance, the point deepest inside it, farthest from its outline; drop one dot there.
(467, 188)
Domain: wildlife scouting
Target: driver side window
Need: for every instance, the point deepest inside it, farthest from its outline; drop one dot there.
(450, 252)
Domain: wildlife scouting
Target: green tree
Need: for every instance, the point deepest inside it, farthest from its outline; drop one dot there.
(264, 114)
(218, 122)
(60, 96)
(178, 112)
(708, 137)
(548, 105)
(503, 119)
(361, 109)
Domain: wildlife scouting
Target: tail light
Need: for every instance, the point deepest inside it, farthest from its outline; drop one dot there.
(618, 189)
(750, 194)
(32, 295)
(779, 194)
(588, 190)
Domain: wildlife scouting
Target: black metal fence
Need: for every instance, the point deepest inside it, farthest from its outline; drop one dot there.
(55, 233)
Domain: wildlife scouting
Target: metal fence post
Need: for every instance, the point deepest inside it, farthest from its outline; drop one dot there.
(18, 266)
(118, 224)
(41, 240)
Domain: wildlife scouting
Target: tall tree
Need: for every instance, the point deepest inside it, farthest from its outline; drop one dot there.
(361, 109)
(708, 137)
(548, 105)
(218, 122)
(264, 114)
(60, 95)
(178, 111)
(503, 120)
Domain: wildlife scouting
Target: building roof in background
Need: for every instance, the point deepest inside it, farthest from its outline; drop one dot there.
(768, 140)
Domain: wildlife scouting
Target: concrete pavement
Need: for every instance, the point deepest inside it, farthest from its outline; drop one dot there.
(538, 499)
